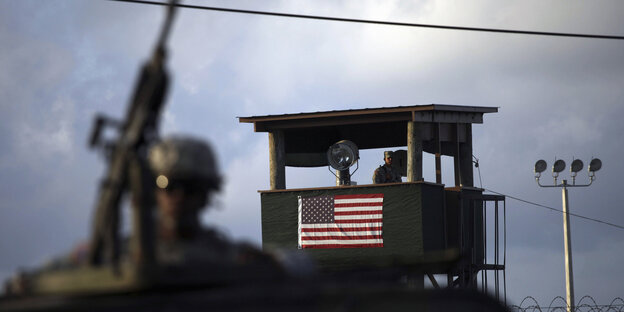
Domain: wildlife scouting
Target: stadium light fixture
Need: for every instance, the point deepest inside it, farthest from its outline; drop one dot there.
(594, 165)
(575, 167)
(540, 166)
(558, 166)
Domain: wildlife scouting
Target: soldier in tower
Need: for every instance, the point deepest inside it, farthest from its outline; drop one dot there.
(387, 173)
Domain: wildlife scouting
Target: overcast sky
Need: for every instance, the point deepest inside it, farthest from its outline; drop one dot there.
(63, 61)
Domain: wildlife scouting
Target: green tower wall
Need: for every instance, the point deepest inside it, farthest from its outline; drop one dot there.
(413, 223)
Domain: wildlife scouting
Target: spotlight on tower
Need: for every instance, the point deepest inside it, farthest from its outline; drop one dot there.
(341, 156)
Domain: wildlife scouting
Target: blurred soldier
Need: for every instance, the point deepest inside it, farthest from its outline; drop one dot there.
(387, 173)
(186, 176)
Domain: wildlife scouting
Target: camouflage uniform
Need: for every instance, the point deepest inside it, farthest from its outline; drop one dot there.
(190, 164)
(177, 162)
(187, 165)
(386, 174)
(210, 247)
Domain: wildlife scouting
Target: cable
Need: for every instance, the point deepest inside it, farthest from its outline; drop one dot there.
(340, 19)
(557, 210)
(476, 162)
(388, 23)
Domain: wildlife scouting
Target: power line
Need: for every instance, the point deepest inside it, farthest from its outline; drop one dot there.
(388, 23)
(557, 210)
(340, 19)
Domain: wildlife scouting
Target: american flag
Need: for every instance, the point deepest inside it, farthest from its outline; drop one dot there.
(341, 221)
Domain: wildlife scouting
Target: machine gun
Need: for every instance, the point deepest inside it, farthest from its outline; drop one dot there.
(127, 163)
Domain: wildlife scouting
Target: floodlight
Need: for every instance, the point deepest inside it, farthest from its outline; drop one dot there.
(342, 155)
(558, 166)
(540, 166)
(595, 165)
(576, 166)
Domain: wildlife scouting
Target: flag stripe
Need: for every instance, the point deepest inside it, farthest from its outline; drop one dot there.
(346, 242)
(341, 234)
(353, 204)
(354, 229)
(339, 221)
(365, 215)
(336, 226)
(344, 245)
(360, 237)
(358, 221)
(357, 213)
(371, 208)
(358, 201)
(358, 196)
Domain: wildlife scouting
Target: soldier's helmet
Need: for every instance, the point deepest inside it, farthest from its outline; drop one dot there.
(184, 160)
(388, 154)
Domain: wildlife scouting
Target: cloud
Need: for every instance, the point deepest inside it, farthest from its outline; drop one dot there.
(38, 121)
(53, 138)
(593, 275)
(170, 123)
(237, 209)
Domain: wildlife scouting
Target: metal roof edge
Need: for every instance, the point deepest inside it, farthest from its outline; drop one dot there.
(367, 111)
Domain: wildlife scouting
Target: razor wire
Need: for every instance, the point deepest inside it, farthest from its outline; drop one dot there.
(558, 304)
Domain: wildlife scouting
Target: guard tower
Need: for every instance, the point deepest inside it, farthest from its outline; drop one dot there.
(421, 221)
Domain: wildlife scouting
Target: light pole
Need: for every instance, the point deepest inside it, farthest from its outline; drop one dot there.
(558, 166)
